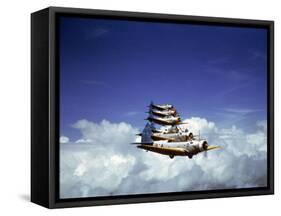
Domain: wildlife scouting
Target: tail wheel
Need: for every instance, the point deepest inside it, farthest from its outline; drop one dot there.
(171, 156)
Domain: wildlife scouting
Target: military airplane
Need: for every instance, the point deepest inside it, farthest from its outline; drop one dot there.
(180, 148)
(172, 134)
(189, 148)
(169, 120)
(179, 137)
(160, 107)
(170, 140)
(163, 113)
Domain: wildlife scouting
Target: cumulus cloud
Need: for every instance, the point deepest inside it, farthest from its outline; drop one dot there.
(64, 139)
(103, 163)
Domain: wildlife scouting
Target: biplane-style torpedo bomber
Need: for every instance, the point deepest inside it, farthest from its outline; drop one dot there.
(171, 139)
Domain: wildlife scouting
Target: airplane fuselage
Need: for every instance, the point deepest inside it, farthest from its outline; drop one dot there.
(165, 121)
(161, 107)
(164, 113)
(188, 148)
(173, 137)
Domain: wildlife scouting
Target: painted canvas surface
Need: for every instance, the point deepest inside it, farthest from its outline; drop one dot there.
(114, 76)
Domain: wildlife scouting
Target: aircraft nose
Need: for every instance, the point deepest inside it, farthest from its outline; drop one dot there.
(205, 145)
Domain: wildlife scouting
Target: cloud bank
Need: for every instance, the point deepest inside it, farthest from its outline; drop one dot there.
(102, 163)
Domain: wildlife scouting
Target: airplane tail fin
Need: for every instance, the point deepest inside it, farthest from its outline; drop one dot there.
(146, 133)
(150, 105)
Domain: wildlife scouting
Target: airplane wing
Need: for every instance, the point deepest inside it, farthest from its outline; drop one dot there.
(212, 147)
(164, 150)
(141, 143)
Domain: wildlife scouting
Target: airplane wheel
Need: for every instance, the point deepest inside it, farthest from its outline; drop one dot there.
(171, 156)
(190, 156)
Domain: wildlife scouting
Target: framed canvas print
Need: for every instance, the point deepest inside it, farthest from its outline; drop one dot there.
(139, 107)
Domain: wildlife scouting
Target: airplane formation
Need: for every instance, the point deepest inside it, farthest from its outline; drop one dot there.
(171, 140)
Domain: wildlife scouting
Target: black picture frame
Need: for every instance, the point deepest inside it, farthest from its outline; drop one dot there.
(45, 108)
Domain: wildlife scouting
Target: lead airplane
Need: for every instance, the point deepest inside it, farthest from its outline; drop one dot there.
(178, 137)
(187, 148)
(160, 107)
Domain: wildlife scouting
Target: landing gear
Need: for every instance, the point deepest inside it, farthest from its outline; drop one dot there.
(171, 156)
(189, 156)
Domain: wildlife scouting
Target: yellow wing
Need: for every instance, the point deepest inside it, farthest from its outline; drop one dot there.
(212, 147)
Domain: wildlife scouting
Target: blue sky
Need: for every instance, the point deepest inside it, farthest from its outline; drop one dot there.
(112, 69)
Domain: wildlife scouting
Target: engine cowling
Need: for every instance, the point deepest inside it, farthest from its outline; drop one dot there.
(190, 136)
(203, 145)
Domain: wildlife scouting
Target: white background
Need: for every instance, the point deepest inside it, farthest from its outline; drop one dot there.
(15, 107)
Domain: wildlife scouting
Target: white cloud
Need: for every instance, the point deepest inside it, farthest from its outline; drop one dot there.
(64, 139)
(106, 134)
(241, 111)
(108, 165)
(83, 141)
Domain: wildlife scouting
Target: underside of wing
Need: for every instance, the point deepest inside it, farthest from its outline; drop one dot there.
(164, 150)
